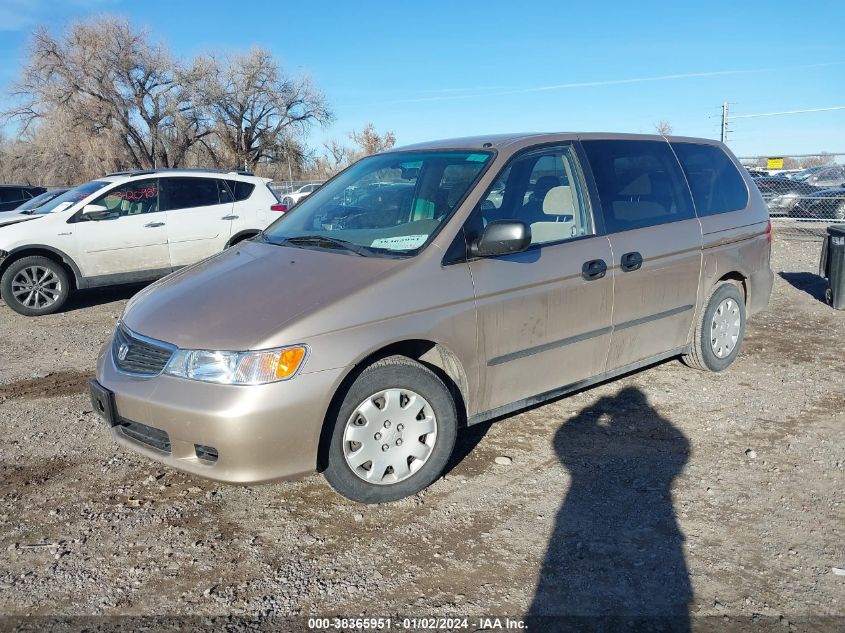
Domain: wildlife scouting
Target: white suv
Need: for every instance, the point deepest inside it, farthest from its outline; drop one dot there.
(127, 227)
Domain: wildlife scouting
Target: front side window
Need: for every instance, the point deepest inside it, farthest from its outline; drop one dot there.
(640, 184)
(715, 183)
(132, 198)
(543, 189)
(187, 193)
(384, 204)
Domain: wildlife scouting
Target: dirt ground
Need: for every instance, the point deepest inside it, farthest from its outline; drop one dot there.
(669, 492)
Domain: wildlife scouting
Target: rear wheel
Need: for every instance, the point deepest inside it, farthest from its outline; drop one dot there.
(720, 330)
(393, 433)
(34, 286)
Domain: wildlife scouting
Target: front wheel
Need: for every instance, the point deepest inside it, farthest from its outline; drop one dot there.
(34, 286)
(719, 331)
(393, 433)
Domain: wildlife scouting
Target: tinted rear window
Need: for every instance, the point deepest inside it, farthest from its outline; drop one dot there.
(185, 193)
(716, 185)
(11, 194)
(640, 184)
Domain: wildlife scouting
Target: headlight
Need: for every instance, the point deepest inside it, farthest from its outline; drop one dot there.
(785, 200)
(237, 368)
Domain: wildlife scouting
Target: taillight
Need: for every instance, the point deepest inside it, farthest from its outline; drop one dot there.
(769, 232)
(281, 208)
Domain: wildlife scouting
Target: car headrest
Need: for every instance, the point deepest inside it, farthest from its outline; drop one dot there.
(558, 201)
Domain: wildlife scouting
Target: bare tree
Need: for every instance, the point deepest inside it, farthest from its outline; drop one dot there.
(825, 158)
(369, 141)
(257, 111)
(663, 127)
(336, 156)
(105, 77)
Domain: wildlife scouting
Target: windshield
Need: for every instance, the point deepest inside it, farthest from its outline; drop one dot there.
(37, 201)
(71, 197)
(389, 204)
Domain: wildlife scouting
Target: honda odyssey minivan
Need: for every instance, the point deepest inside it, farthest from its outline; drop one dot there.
(432, 287)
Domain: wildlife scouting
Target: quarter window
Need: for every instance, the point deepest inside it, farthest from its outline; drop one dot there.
(640, 184)
(544, 190)
(241, 190)
(715, 183)
(132, 198)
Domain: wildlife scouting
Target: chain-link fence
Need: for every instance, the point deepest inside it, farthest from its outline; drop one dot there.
(809, 188)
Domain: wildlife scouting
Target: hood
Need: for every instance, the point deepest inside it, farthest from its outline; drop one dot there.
(235, 299)
(15, 217)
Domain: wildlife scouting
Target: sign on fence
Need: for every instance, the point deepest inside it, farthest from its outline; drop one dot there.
(774, 163)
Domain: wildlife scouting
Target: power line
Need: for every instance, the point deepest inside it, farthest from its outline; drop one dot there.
(762, 114)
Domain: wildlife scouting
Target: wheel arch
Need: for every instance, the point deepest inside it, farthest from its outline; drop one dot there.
(42, 250)
(437, 357)
(740, 279)
(240, 236)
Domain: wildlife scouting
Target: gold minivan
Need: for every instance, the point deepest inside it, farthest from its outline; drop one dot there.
(432, 287)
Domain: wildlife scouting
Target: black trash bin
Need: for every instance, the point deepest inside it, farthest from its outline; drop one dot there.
(832, 265)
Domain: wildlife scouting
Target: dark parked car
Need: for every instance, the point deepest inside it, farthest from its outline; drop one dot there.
(782, 194)
(821, 176)
(12, 196)
(756, 173)
(828, 204)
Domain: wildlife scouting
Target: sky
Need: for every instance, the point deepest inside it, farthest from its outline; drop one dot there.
(441, 69)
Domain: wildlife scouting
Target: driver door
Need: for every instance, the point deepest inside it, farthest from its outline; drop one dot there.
(544, 322)
(130, 243)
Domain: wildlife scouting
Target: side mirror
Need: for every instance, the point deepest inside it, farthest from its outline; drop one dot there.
(501, 237)
(97, 212)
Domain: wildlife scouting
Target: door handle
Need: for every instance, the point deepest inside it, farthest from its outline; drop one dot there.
(230, 217)
(594, 269)
(631, 262)
(153, 225)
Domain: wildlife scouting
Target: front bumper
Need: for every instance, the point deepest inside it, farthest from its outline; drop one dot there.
(260, 433)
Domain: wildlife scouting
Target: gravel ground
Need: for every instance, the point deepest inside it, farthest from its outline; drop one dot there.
(669, 492)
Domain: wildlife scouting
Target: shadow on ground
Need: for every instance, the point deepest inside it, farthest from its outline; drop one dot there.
(812, 284)
(615, 560)
(99, 296)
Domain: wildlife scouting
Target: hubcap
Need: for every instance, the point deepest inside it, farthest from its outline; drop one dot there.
(389, 436)
(724, 330)
(36, 287)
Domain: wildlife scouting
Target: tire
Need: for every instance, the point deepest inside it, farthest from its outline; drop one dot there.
(49, 282)
(409, 463)
(288, 202)
(839, 212)
(710, 353)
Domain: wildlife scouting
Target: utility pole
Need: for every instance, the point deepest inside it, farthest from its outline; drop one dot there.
(725, 122)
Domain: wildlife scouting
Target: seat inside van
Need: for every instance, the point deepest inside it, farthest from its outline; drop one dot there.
(562, 220)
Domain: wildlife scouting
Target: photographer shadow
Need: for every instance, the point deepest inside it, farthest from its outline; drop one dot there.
(615, 560)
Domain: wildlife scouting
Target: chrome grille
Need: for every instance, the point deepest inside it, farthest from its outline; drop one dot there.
(139, 355)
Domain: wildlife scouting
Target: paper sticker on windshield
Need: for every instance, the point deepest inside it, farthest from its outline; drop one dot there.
(476, 158)
(402, 243)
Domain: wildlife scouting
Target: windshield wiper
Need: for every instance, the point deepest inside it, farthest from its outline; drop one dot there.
(327, 242)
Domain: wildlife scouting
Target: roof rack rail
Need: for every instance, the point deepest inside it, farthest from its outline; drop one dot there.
(210, 170)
